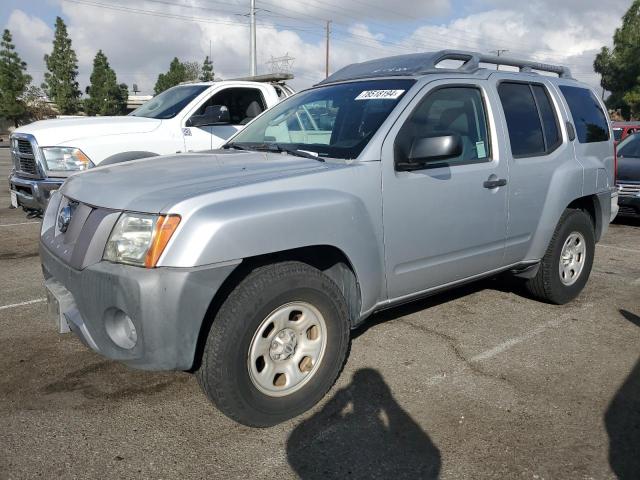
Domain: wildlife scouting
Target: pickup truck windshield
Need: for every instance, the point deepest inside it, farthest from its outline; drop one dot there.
(170, 102)
(335, 121)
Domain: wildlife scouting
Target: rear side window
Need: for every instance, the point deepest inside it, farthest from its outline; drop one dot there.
(549, 119)
(531, 119)
(617, 134)
(589, 119)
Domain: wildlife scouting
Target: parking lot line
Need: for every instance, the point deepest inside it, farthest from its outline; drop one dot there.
(16, 224)
(22, 304)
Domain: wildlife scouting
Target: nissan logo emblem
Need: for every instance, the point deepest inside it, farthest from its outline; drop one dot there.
(64, 217)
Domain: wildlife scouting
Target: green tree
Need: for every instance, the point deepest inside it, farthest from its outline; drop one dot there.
(37, 106)
(177, 73)
(60, 80)
(192, 71)
(13, 81)
(207, 70)
(620, 66)
(106, 97)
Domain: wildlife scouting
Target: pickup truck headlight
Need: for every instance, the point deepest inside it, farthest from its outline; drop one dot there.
(65, 159)
(139, 239)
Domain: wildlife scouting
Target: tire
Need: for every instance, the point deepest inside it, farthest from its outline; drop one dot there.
(553, 283)
(274, 302)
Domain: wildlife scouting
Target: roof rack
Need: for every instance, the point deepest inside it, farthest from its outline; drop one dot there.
(424, 63)
(267, 77)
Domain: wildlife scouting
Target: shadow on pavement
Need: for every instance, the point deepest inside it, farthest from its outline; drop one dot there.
(362, 432)
(629, 221)
(622, 420)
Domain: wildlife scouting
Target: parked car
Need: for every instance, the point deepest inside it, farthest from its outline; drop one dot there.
(251, 265)
(622, 130)
(629, 175)
(188, 117)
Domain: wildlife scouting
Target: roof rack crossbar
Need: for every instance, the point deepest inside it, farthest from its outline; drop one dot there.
(472, 61)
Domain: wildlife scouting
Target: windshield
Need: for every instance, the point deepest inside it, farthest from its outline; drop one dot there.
(630, 146)
(170, 102)
(617, 134)
(334, 121)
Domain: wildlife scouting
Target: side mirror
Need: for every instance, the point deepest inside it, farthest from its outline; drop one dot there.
(432, 149)
(213, 115)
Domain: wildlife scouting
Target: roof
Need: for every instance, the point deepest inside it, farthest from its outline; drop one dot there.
(626, 124)
(418, 64)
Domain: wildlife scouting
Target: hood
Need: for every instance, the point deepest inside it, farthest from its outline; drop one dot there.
(628, 169)
(153, 184)
(60, 131)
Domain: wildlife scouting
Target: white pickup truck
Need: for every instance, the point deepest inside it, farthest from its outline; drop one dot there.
(188, 117)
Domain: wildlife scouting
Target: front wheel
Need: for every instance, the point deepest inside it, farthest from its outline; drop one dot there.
(565, 267)
(276, 345)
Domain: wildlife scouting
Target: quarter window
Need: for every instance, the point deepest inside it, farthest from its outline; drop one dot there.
(589, 119)
(452, 110)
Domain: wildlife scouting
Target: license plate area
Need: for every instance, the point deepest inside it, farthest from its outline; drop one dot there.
(59, 300)
(14, 199)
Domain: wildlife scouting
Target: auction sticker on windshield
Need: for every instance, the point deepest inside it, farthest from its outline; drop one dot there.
(379, 94)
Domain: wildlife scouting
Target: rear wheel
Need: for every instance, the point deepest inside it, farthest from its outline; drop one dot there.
(276, 345)
(565, 267)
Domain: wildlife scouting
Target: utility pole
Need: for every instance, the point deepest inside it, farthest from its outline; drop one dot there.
(253, 57)
(326, 62)
(499, 52)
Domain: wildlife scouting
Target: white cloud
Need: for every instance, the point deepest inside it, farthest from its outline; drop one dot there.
(140, 46)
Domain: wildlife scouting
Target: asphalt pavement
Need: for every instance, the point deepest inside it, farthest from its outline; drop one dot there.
(480, 382)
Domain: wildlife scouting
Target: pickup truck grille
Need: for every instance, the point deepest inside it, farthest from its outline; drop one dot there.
(628, 189)
(28, 165)
(23, 151)
(24, 146)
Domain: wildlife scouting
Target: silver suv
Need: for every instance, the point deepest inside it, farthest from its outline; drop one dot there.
(390, 180)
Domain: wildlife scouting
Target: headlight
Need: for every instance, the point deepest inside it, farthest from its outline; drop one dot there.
(139, 239)
(65, 159)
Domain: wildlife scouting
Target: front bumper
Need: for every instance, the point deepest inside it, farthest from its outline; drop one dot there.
(166, 305)
(629, 206)
(33, 194)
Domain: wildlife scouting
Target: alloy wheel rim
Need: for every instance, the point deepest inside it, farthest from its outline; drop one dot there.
(287, 349)
(572, 258)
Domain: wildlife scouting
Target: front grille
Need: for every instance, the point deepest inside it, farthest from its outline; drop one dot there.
(628, 189)
(24, 147)
(28, 165)
(627, 210)
(23, 151)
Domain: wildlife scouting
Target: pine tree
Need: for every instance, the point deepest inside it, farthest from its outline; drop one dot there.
(106, 97)
(13, 81)
(620, 66)
(207, 70)
(60, 81)
(177, 73)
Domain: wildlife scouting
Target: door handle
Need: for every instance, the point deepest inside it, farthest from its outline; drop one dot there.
(494, 182)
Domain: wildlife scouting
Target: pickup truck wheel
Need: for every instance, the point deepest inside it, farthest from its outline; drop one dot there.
(566, 265)
(277, 344)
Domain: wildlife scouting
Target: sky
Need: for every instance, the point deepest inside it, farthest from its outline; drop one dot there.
(140, 37)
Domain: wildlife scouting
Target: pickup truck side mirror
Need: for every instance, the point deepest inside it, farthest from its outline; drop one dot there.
(213, 115)
(424, 150)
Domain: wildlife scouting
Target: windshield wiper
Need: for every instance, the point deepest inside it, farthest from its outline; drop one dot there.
(227, 146)
(276, 147)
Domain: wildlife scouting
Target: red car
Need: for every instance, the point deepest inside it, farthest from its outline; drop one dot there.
(622, 130)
